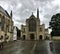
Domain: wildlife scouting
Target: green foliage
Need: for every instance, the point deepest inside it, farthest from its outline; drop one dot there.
(55, 25)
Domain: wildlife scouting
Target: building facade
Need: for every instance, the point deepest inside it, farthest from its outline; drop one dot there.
(6, 26)
(47, 35)
(33, 30)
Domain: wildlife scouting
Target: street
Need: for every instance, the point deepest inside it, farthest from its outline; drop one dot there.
(31, 47)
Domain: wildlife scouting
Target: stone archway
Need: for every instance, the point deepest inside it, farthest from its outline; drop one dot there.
(47, 38)
(24, 37)
(32, 36)
(1, 37)
(40, 37)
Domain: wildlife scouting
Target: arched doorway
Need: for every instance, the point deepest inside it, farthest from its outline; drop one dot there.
(24, 37)
(1, 37)
(47, 38)
(40, 37)
(32, 36)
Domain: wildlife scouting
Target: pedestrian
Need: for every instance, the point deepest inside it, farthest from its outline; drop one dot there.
(51, 46)
(1, 45)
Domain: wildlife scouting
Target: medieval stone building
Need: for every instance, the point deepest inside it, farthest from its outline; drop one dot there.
(6, 25)
(33, 30)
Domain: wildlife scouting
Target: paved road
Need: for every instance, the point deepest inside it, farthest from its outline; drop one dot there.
(31, 47)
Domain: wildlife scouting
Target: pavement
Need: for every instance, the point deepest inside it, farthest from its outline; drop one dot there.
(31, 47)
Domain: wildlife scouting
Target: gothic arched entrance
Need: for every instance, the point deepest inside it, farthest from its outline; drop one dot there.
(47, 38)
(40, 37)
(32, 36)
(24, 37)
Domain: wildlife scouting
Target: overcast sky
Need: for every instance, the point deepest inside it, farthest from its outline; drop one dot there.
(22, 9)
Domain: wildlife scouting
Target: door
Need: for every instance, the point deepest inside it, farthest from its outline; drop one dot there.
(23, 37)
(32, 36)
(40, 37)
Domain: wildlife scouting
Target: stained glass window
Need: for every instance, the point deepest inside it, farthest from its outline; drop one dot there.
(32, 25)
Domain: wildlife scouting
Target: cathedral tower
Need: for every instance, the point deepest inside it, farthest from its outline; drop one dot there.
(11, 14)
(37, 13)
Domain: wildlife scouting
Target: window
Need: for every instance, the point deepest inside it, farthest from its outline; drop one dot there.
(24, 30)
(7, 28)
(32, 25)
(40, 29)
(8, 25)
(0, 19)
(0, 24)
(1, 37)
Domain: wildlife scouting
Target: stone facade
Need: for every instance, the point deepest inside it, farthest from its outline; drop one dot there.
(33, 30)
(6, 25)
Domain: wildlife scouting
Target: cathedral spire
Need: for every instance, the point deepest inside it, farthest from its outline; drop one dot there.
(32, 13)
(37, 13)
(11, 14)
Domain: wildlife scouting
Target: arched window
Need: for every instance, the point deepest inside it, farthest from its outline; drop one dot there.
(24, 37)
(2, 22)
(32, 25)
(1, 37)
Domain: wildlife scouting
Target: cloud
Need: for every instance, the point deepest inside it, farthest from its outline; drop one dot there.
(22, 9)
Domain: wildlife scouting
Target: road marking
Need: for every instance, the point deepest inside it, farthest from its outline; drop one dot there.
(34, 47)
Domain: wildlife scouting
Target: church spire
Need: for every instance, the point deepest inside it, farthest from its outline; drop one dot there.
(37, 13)
(32, 13)
(11, 14)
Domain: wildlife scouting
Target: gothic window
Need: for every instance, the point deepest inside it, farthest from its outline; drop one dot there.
(0, 19)
(7, 28)
(1, 37)
(0, 23)
(3, 22)
(41, 29)
(8, 22)
(7, 25)
(32, 25)
(23, 30)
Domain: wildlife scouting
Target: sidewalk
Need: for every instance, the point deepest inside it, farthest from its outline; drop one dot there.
(7, 44)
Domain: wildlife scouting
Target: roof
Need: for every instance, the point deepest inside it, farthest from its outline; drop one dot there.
(32, 16)
(4, 11)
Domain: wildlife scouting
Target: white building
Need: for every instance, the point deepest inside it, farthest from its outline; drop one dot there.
(15, 33)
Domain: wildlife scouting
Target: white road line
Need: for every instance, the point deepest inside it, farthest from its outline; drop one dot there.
(34, 47)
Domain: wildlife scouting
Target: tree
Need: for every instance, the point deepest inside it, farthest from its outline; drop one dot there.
(55, 25)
